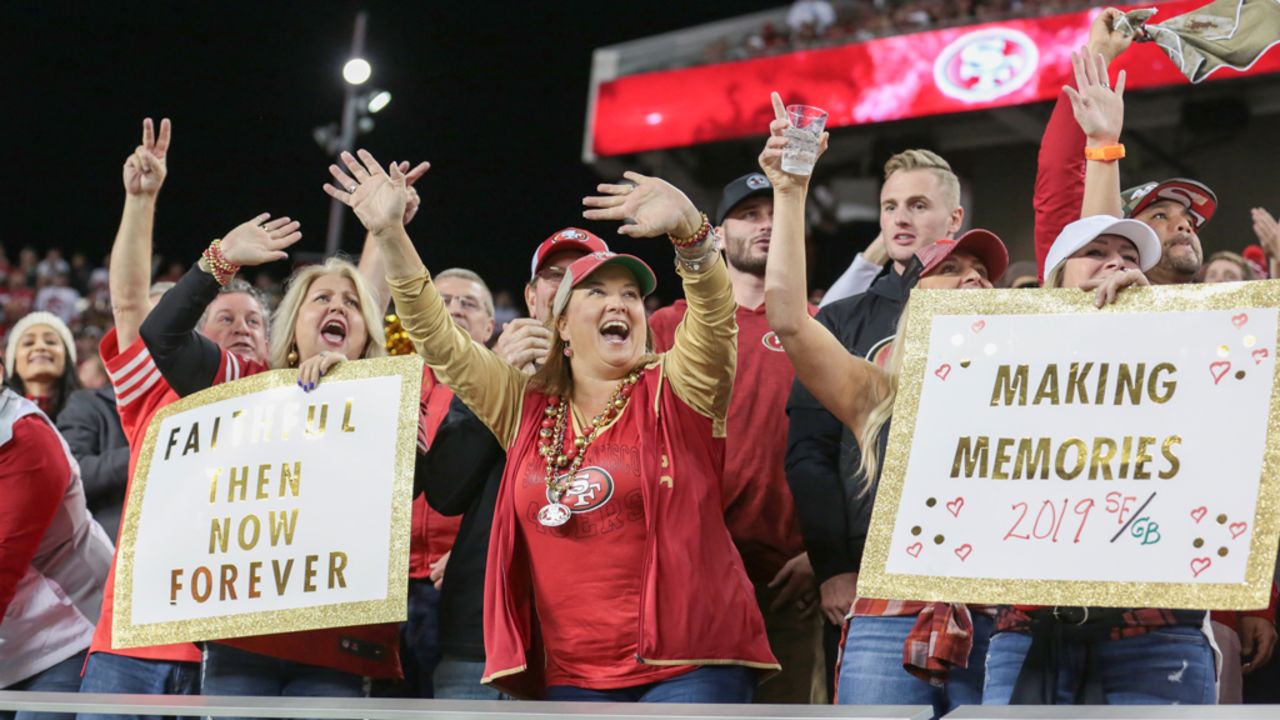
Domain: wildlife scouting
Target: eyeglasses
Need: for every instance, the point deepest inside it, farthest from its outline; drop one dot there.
(468, 303)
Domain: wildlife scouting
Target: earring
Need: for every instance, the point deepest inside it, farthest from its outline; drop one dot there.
(292, 357)
(568, 351)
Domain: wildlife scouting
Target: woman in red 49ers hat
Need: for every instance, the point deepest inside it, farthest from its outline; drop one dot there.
(611, 574)
(896, 652)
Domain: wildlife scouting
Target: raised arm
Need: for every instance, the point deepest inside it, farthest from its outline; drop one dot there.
(703, 357)
(1099, 111)
(489, 386)
(129, 275)
(1059, 187)
(371, 265)
(188, 360)
(846, 385)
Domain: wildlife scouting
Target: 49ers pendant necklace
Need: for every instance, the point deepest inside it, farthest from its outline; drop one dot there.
(551, 447)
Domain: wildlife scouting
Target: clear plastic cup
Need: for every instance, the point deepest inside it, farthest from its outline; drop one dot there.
(801, 151)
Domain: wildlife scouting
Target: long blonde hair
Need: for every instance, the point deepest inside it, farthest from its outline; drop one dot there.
(882, 413)
(285, 318)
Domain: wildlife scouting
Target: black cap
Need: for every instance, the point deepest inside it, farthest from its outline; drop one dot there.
(748, 185)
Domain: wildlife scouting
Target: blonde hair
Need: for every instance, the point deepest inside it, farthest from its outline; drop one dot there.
(555, 375)
(931, 161)
(882, 413)
(285, 318)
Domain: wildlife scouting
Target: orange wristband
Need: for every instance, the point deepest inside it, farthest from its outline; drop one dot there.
(1106, 153)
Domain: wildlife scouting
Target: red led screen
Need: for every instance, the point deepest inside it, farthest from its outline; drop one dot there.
(929, 73)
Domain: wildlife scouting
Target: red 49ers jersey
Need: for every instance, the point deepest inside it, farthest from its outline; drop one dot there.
(586, 573)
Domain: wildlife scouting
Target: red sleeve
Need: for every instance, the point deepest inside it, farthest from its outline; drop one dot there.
(135, 379)
(663, 324)
(1059, 178)
(33, 479)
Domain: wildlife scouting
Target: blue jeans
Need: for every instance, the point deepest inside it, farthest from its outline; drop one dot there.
(706, 684)
(871, 671)
(231, 671)
(108, 673)
(63, 677)
(459, 679)
(1167, 666)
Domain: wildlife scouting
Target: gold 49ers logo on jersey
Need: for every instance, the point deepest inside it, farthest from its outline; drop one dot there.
(589, 489)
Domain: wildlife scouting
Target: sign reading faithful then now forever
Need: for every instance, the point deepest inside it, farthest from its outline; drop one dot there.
(257, 508)
(1046, 452)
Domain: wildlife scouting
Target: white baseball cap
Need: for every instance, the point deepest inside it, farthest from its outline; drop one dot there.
(1083, 231)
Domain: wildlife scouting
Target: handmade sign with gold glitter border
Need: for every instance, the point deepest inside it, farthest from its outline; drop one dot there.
(991, 496)
(385, 395)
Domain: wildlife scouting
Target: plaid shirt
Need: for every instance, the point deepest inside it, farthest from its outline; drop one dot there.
(941, 639)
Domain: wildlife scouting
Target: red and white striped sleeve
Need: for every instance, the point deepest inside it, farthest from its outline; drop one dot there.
(134, 377)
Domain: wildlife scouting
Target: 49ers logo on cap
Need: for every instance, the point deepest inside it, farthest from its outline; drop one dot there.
(590, 489)
(985, 64)
(757, 181)
(771, 341)
(570, 235)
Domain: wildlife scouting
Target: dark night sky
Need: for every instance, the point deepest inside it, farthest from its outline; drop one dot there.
(493, 94)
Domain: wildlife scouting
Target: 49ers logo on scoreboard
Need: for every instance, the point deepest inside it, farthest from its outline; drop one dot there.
(590, 489)
(771, 341)
(986, 64)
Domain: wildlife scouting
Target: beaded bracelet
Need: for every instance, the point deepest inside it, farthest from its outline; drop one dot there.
(703, 230)
(221, 270)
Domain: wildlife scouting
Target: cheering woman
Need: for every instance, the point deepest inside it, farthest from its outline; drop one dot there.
(611, 574)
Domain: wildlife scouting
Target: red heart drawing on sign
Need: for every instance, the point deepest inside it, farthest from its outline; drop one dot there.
(977, 327)
(914, 550)
(954, 506)
(943, 371)
(1199, 513)
(1199, 565)
(1219, 370)
(1237, 529)
(1239, 320)
(964, 551)
(1259, 355)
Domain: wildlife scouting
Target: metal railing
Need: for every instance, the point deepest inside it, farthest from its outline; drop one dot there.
(396, 709)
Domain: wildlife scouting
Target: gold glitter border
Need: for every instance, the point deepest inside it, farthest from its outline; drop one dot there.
(1253, 593)
(392, 608)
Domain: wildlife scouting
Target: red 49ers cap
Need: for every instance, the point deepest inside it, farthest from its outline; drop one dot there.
(583, 267)
(1195, 196)
(982, 244)
(570, 238)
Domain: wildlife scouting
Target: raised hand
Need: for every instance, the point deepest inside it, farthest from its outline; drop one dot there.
(314, 368)
(1098, 108)
(1109, 35)
(378, 198)
(648, 208)
(414, 200)
(771, 158)
(146, 168)
(258, 242)
(1267, 230)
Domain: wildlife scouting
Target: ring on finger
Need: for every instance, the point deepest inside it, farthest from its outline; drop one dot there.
(353, 188)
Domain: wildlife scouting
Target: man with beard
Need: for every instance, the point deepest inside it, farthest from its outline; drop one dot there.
(759, 509)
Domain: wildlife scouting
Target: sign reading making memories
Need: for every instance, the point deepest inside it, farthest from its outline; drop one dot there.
(1047, 452)
(254, 505)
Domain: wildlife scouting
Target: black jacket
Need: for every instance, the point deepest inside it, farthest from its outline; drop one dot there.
(460, 475)
(822, 454)
(91, 426)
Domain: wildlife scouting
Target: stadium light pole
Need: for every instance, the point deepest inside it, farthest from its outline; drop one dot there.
(356, 72)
